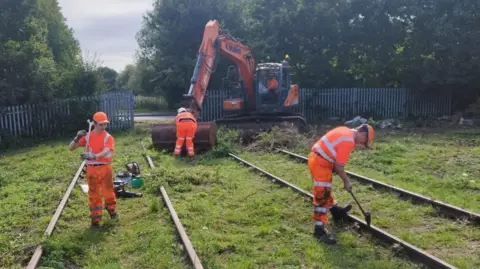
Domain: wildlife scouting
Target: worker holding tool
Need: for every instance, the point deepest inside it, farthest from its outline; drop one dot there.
(186, 127)
(330, 154)
(98, 155)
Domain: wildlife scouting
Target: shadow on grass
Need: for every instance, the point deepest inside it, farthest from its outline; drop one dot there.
(58, 252)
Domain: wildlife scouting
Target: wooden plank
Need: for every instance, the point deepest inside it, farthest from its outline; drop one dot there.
(186, 242)
(39, 250)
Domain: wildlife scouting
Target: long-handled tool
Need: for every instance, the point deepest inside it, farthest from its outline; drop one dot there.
(90, 124)
(368, 216)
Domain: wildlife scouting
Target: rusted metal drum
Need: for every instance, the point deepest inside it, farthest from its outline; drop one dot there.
(164, 136)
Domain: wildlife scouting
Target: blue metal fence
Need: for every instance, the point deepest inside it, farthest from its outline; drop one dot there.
(378, 103)
(46, 119)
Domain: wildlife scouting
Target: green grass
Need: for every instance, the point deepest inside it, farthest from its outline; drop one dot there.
(34, 184)
(237, 219)
(234, 218)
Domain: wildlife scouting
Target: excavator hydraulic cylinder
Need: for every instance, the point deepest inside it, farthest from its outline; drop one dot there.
(164, 136)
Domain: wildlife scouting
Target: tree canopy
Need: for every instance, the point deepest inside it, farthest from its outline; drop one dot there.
(39, 57)
(426, 45)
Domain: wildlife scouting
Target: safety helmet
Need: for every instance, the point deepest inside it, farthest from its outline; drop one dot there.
(100, 117)
(182, 109)
(367, 128)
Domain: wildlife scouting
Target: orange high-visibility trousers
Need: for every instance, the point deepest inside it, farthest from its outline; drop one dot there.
(100, 182)
(321, 172)
(185, 131)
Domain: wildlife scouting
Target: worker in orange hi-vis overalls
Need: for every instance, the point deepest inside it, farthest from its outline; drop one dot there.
(186, 128)
(330, 154)
(99, 170)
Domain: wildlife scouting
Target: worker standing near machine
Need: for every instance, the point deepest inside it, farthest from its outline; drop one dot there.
(98, 156)
(330, 154)
(186, 124)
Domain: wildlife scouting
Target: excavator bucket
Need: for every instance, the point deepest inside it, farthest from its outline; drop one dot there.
(164, 136)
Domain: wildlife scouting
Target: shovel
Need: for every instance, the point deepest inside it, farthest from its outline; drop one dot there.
(367, 215)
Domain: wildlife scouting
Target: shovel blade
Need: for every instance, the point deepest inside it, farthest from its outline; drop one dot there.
(368, 218)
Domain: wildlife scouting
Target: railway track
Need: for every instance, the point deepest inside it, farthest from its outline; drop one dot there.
(441, 207)
(51, 226)
(195, 260)
(415, 253)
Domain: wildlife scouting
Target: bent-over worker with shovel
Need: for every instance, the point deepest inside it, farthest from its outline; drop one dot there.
(98, 155)
(330, 154)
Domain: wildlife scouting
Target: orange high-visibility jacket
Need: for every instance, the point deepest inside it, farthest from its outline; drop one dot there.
(272, 84)
(96, 143)
(336, 145)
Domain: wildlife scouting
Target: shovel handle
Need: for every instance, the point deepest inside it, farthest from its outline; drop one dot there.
(357, 202)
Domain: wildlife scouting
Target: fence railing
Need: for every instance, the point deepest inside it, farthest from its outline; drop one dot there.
(346, 103)
(65, 116)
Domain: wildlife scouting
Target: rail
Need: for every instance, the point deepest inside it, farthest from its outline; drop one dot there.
(48, 232)
(413, 252)
(444, 208)
(178, 224)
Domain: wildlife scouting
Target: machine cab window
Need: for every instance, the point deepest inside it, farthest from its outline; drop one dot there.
(268, 80)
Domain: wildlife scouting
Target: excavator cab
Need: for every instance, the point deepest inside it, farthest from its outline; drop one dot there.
(274, 92)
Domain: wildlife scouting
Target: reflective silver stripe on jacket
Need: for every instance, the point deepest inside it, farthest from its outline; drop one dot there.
(331, 147)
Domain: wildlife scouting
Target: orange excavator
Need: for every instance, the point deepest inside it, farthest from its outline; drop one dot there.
(260, 96)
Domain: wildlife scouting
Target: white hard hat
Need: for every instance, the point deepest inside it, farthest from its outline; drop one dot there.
(182, 109)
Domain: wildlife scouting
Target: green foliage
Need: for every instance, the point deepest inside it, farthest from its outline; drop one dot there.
(39, 57)
(424, 45)
(228, 141)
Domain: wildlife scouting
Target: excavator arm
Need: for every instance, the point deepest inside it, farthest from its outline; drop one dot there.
(216, 43)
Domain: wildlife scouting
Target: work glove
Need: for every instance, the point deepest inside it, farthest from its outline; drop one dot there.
(80, 134)
(87, 156)
(347, 186)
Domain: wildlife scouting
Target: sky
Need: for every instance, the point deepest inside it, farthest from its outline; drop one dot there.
(106, 29)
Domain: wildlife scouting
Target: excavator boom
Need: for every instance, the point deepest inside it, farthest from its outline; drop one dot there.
(214, 43)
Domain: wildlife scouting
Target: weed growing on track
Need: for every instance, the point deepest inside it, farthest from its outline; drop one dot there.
(454, 242)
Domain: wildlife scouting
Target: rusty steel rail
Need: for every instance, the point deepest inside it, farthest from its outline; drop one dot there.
(413, 252)
(39, 250)
(149, 160)
(186, 242)
(444, 208)
(178, 224)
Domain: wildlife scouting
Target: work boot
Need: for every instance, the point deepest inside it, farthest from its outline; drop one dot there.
(321, 234)
(192, 160)
(95, 225)
(339, 213)
(115, 216)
